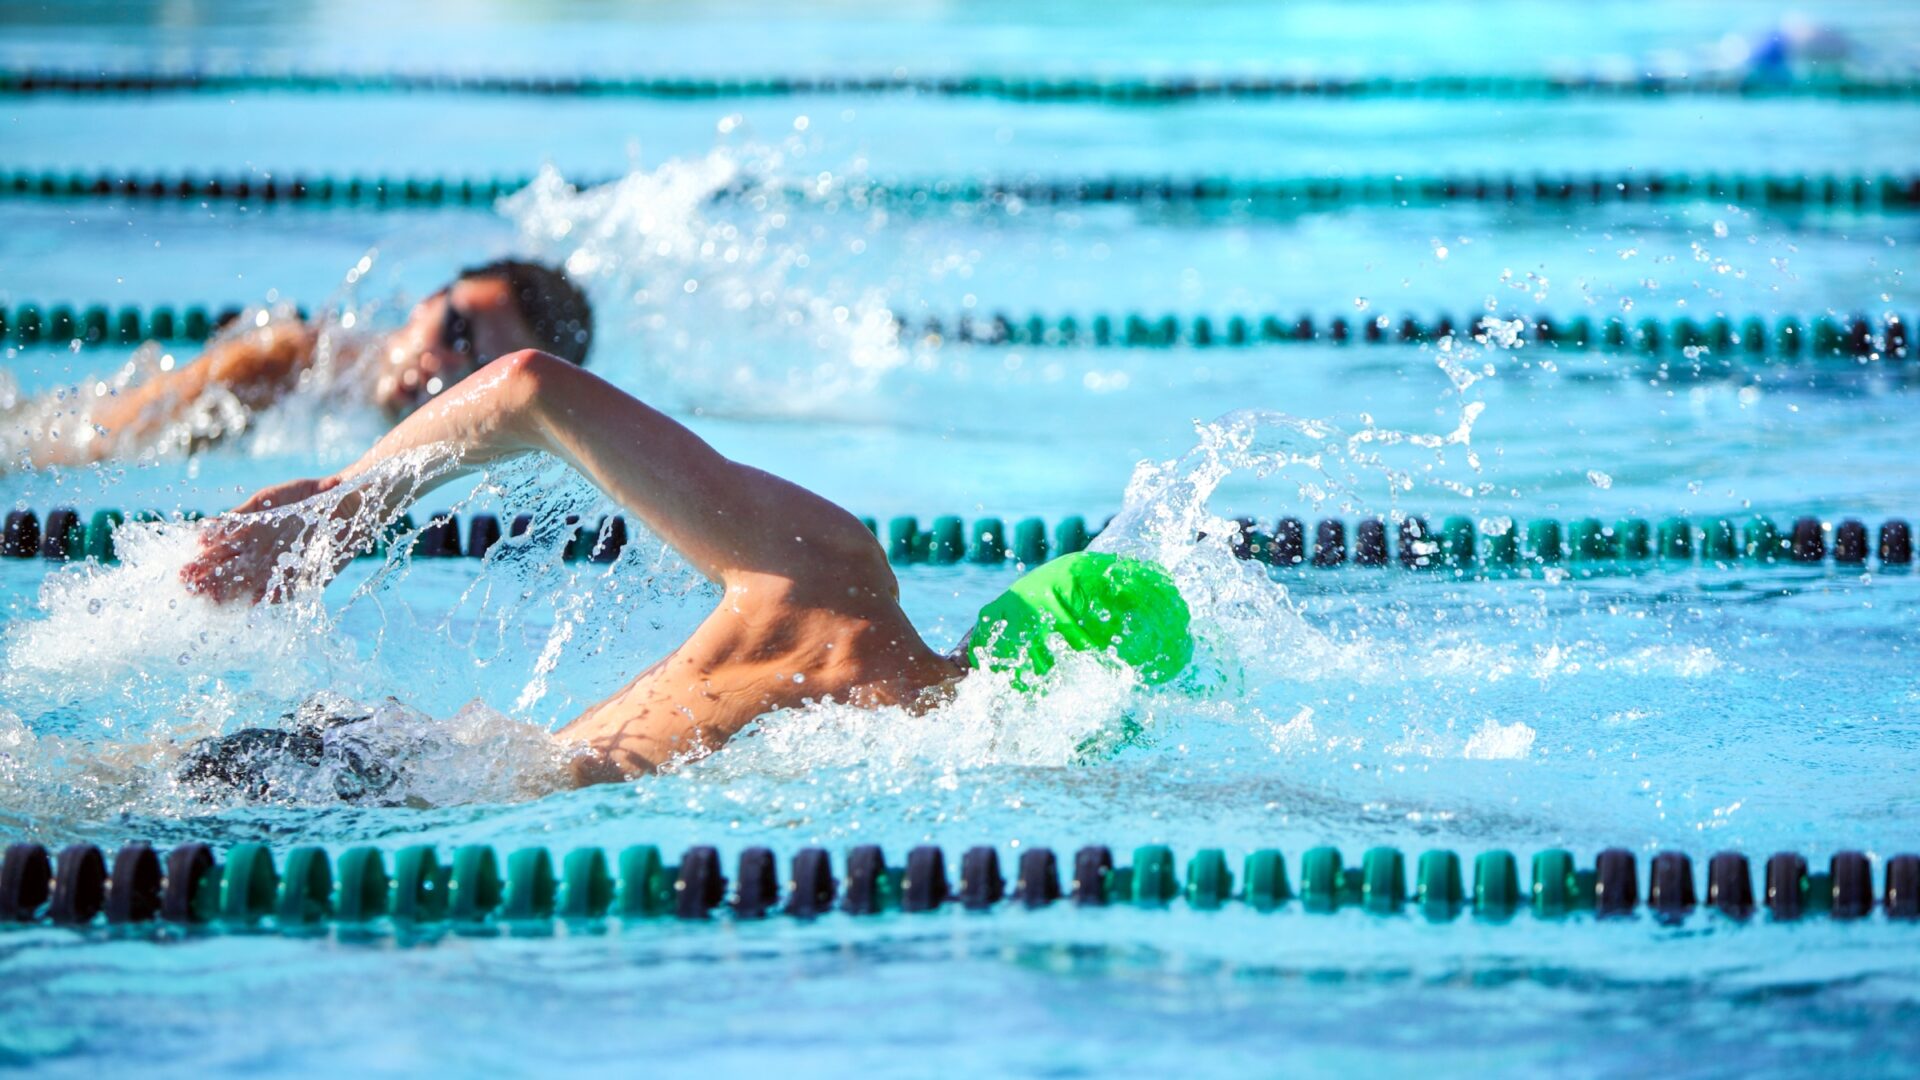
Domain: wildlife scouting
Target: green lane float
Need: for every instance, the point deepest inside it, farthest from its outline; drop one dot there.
(1322, 879)
(1882, 192)
(1383, 880)
(249, 885)
(246, 888)
(1209, 882)
(363, 885)
(1264, 880)
(1117, 90)
(1584, 547)
(1153, 882)
(306, 894)
(1438, 889)
(1883, 339)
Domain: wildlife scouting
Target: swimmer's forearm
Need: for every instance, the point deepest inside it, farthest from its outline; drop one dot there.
(256, 368)
(481, 420)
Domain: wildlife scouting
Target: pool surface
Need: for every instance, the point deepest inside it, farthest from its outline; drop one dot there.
(1700, 706)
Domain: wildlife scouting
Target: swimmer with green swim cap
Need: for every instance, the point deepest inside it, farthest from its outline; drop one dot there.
(1123, 608)
(809, 609)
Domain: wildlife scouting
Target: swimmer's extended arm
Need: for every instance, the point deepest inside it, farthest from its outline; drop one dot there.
(731, 521)
(256, 367)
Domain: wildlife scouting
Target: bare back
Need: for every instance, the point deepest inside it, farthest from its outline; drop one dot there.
(770, 644)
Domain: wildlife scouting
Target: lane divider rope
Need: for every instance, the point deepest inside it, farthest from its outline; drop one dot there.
(1857, 337)
(1503, 545)
(186, 886)
(1066, 89)
(27, 323)
(1853, 191)
(1885, 337)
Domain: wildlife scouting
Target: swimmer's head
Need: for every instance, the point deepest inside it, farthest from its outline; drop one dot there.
(1121, 608)
(487, 311)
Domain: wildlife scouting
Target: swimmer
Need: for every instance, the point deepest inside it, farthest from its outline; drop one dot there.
(486, 311)
(809, 611)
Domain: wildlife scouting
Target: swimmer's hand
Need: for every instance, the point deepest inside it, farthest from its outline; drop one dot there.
(240, 550)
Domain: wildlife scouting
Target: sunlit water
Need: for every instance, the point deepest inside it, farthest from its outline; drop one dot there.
(1752, 708)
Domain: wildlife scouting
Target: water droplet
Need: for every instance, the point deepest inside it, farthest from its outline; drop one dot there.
(1599, 479)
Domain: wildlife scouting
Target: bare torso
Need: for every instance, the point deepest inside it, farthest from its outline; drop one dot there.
(767, 646)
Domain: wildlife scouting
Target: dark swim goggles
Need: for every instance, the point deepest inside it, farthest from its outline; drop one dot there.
(456, 330)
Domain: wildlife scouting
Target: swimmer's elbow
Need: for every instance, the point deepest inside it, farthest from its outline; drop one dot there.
(526, 376)
(524, 386)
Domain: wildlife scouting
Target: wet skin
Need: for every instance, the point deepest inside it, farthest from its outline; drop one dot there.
(809, 609)
(259, 367)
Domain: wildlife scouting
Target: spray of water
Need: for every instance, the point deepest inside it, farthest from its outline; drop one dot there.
(671, 264)
(164, 667)
(722, 304)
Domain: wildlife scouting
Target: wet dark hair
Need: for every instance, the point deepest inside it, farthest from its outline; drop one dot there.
(551, 305)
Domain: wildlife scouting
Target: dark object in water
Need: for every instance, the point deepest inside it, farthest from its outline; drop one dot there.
(257, 763)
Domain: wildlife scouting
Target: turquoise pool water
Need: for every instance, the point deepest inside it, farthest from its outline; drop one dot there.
(1750, 708)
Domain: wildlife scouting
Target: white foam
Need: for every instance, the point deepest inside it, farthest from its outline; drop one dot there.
(136, 620)
(671, 263)
(1494, 741)
(1086, 709)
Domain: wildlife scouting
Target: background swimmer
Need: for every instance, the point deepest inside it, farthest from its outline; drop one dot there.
(486, 311)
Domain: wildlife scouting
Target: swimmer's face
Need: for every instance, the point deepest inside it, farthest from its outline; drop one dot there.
(448, 337)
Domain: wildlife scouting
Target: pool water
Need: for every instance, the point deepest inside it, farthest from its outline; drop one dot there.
(1746, 707)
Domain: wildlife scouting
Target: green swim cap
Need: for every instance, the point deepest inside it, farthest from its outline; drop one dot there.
(1093, 602)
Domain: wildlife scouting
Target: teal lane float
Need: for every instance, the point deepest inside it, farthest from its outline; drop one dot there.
(1892, 86)
(189, 885)
(1882, 192)
(1460, 545)
(1884, 339)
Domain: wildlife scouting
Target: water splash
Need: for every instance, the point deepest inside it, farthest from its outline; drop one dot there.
(1261, 658)
(126, 668)
(137, 626)
(731, 303)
